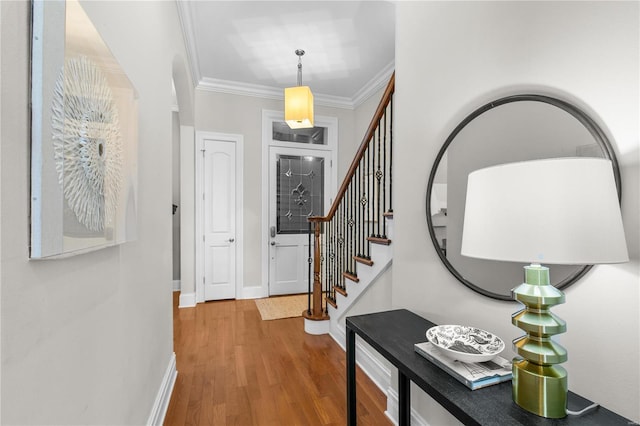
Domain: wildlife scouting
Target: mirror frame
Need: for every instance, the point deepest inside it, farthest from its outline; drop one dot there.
(593, 128)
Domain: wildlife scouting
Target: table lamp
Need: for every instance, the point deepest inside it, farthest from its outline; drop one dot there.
(553, 211)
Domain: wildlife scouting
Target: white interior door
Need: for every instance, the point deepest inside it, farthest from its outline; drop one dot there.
(299, 182)
(219, 219)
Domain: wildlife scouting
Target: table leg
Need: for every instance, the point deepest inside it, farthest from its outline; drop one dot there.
(351, 378)
(404, 400)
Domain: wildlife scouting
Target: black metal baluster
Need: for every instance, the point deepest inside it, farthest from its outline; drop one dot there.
(351, 229)
(334, 277)
(344, 265)
(369, 188)
(341, 244)
(365, 197)
(348, 231)
(309, 276)
(323, 260)
(347, 240)
(330, 263)
(384, 176)
(360, 211)
(390, 107)
(356, 206)
(378, 177)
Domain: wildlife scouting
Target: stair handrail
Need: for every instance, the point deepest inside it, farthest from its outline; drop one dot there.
(315, 311)
(368, 137)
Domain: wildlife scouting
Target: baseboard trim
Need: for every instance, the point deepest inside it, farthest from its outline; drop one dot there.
(253, 292)
(160, 405)
(187, 300)
(367, 361)
(392, 410)
(176, 285)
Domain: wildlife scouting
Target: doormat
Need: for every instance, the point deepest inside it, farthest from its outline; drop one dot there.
(272, 308)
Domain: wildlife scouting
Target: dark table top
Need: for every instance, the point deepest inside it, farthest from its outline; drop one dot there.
(393, 334)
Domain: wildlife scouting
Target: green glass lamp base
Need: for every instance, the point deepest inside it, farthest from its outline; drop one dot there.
(541, 390)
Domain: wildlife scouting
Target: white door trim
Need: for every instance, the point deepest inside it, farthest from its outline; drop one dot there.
(268, 117)
(201, 136)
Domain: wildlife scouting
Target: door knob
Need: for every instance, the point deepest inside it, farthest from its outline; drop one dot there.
(273, 243)
(231, 240)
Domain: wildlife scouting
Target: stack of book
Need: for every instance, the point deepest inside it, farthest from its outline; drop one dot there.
(474, 375)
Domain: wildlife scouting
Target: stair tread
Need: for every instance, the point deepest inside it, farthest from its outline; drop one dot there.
(363, 260)
(340, 290)
(379, 240)
(351, 276)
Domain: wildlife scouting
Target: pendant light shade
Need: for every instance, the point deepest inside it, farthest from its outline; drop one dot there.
(298, 107)
(298, 102)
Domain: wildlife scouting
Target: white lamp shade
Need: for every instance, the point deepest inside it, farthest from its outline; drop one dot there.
(554, 211)
(298, 107)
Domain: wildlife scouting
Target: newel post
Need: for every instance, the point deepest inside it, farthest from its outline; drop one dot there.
(316, 312)
(317, 284)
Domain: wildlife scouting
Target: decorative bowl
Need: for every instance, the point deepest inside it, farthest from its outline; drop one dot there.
(463, 343)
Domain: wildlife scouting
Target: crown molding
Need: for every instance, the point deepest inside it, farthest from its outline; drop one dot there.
(267, 92)
(377, 83)
(184, 13)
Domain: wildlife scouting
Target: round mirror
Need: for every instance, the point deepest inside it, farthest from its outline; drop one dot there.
(510, 129)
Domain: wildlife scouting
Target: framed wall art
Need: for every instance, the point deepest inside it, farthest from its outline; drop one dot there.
(84, 137)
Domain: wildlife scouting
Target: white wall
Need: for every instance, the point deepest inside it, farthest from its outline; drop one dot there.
(452, 57)
(86, 340)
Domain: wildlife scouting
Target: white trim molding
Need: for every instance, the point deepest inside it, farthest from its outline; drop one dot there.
(392, 410)
(176, 285)
(184, 13)
(267, 92)
(368, 360)
(161, 403)
(187, 300)
(378, 82)
(252, 292)
(276, 93)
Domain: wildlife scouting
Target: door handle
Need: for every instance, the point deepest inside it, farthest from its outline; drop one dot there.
(273, 232)
(273, 243)
(231, 240)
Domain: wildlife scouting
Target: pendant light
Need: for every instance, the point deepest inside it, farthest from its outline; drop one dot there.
(298, 102)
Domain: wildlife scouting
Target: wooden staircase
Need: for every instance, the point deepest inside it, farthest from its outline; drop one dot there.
(352, 243)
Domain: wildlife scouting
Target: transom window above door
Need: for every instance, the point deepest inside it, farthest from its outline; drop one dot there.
(315, 135)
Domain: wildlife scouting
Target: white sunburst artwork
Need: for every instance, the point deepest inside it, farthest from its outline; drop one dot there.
(87, 143)
(84, 137)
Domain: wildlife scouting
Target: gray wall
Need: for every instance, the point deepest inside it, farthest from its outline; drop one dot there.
(87, 339)
(470, 53)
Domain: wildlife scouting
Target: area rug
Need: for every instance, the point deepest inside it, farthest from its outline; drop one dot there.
(279, 307)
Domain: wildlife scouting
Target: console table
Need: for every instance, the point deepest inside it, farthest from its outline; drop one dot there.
(393, 334)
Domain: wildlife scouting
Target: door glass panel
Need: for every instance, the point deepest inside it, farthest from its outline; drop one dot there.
(315, 135)
(300, 192)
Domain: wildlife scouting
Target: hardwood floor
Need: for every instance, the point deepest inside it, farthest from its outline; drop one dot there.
(235, 369)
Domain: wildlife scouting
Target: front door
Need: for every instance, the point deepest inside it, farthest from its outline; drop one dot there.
(219, 219)
(299, 182)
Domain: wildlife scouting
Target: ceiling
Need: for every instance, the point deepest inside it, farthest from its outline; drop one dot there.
(248, 47)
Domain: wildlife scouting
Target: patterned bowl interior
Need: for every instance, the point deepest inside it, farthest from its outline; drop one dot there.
(469, 342)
